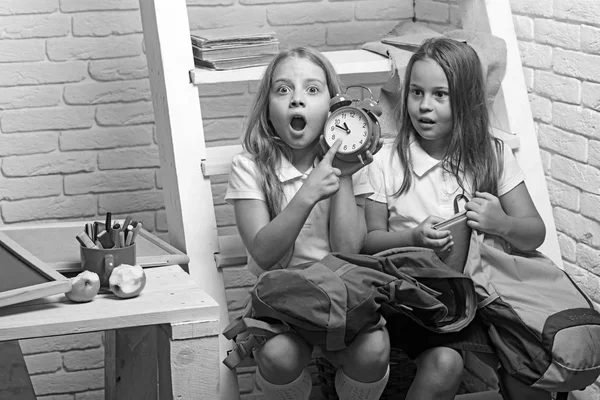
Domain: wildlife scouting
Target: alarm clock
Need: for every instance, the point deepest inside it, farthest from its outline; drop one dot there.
(355, 122)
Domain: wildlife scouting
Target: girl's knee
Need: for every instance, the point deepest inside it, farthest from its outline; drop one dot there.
(443, 364)
(370, 350)
(283, 356)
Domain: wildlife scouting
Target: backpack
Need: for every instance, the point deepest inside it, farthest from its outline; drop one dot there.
(544, 328)
(331, 301)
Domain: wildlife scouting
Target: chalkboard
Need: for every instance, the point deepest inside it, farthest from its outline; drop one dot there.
(24, 277)
(55, 244)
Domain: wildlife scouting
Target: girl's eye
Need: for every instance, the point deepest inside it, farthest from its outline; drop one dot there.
(416, 92)
(283, 89)
(313, 90)
(440, 94)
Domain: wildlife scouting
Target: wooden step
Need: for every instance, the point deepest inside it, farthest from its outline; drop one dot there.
(345, 62)
(231, 251)
(15, 383)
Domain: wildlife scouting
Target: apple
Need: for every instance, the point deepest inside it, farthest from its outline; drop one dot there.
(84, 287)
(127, 281)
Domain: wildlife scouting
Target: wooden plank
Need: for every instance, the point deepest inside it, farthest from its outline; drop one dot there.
(192, 329)
(110, 372)
(187, 366)
(169, 296)
(495, 17)
(136, 368)
(15, 383)
(178, 120)
(232, 251)
(345, 62)
(219, 159)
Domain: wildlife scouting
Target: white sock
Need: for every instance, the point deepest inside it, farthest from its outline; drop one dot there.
(349, 389)
(298, 389)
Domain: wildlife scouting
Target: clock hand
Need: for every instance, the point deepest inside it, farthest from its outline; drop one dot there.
(347, 129)
(344, 129)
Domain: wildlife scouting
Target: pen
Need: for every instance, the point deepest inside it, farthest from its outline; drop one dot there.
(89, 230)
(135, 232)
(121, 239)
(114, 235)
(108, 221)
(126, 223)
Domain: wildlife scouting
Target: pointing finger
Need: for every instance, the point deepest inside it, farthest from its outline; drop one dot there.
(328, 157)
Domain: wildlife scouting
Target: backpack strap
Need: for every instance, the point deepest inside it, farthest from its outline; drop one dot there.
(249, 334)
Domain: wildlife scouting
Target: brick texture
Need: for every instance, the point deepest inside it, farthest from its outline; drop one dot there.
(77, 136)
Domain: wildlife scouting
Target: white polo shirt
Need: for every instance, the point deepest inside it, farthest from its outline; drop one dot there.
(433, 189)
(312, 244)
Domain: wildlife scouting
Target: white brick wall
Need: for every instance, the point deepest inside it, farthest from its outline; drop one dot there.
(77, 137)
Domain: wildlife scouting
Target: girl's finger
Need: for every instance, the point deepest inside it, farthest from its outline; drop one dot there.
(485, 195)
(328, 157)
(447, 247)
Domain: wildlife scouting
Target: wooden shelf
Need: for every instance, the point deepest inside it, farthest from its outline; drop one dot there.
(345, 62)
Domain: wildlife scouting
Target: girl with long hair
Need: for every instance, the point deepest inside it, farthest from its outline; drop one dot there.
(293, 206)
(445, 148)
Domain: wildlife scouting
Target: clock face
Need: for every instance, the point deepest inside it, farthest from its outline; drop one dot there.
(350, 124)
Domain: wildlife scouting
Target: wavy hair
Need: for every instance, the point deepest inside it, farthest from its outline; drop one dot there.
(472, 150)
(261, 140)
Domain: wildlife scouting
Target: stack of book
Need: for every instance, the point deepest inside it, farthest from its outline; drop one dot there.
(231, 48)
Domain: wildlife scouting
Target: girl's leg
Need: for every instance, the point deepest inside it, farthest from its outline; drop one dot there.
(439, 373)
(363, 367)
(282, 373)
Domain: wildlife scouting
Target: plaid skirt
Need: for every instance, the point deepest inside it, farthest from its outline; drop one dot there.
(414, 339)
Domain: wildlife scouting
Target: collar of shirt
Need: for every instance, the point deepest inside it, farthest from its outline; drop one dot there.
(421, 161)
(287, 172)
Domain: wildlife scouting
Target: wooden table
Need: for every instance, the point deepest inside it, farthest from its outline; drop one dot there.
(161, 344)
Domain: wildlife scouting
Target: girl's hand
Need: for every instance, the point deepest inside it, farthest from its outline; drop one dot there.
(350, 168)
(324, 180)
(425, 236)
(485, 213)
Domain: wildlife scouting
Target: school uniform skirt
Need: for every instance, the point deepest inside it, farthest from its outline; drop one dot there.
(414, 339)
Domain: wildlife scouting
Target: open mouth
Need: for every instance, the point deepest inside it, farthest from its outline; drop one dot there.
(298, 123)
(426, 121)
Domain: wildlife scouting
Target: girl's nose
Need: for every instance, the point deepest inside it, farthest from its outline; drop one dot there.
(297, 102)
(425, 104)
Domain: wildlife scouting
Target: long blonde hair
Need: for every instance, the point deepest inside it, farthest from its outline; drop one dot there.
(261, 140)
(472, 150)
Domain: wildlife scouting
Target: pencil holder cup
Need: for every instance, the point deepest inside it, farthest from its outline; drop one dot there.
(103, 261)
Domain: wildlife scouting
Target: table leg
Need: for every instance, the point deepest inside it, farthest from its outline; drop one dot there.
(188, 358)
(131, 363)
